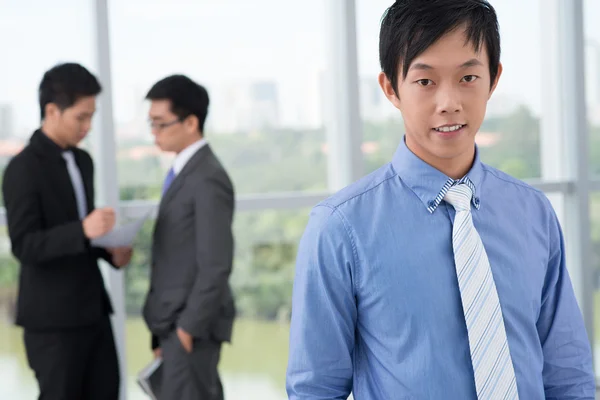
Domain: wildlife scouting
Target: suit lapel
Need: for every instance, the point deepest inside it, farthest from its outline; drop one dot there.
(55, 171)
(88, 183)
(196, 161)
(59, 176)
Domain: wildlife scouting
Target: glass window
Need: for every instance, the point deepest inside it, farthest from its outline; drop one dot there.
(34, 36)
(24, 64)
(253, 366)
(592, 80)
(16, 380)
(595, 264)
(263, 74)
(592, 47)
(509, 138)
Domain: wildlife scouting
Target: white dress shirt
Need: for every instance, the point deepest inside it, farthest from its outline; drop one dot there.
(186, 154)
(77, 182)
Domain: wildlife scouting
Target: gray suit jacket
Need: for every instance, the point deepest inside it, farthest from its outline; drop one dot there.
(192, 254)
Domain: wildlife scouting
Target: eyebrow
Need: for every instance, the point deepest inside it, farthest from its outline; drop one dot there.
(472, 63)
(424, 67)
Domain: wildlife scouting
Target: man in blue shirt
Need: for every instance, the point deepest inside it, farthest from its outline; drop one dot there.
(437, 276)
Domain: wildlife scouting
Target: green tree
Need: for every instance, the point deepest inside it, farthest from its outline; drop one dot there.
(296, 160)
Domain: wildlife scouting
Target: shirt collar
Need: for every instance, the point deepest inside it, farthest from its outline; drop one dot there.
(430, 184)
(186, 154)
(46, 146)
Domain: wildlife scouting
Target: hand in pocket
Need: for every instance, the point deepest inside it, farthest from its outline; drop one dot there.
(186, 340)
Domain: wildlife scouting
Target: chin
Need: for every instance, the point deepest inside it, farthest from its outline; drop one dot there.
(453, 150)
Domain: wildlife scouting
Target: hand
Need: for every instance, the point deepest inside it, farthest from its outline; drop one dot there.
(121, 256)
(157, 352)
(186, 340)
(99, 222)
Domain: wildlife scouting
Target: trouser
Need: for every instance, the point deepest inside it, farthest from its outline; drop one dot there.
(76, 363)
(190, 376)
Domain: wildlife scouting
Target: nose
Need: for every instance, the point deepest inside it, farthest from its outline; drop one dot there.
(449, 100)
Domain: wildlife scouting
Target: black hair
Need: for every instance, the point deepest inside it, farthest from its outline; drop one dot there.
(409, 27)
(186, 97)
(64, 84)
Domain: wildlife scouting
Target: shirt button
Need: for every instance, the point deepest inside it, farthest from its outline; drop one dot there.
(476, 201)
(431, 204)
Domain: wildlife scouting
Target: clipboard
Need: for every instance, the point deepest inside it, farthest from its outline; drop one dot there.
(150, 378)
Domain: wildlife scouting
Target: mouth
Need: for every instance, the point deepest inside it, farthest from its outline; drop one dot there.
(450, 130)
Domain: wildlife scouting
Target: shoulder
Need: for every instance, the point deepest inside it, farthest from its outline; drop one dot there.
(333, 216)
(212, 171)
(523, 200)
(21, 162)
(21, 172)
(514, 186)
(363, 188)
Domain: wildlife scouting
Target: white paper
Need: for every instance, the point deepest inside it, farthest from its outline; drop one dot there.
(147, 382)
(121, 236)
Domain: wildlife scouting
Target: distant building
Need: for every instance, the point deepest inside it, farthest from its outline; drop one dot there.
(244, 107)
(264, 105)
(374, 106)
(593, 82)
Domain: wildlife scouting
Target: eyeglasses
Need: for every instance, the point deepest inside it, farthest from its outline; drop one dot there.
(162, 125)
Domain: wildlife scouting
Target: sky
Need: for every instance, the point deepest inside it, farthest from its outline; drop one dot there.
(222, 42)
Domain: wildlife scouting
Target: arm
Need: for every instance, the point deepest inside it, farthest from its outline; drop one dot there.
(104, 254)
(87, 173)
(213, 210)
(324, 311)
(31, 244)
(117, 257)
(568, 372)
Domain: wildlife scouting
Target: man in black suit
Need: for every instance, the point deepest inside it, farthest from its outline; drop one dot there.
(190, 308)
(49, 197)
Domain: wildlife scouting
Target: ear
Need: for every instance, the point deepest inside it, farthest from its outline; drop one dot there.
(495, 84)
(191, 123)
(388, 90)
(51, 110)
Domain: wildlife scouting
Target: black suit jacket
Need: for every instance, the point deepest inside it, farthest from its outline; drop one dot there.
(60, 284)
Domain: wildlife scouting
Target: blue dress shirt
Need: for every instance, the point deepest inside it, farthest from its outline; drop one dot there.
(376, 304)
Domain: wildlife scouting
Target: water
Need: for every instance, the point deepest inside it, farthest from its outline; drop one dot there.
(252, 368)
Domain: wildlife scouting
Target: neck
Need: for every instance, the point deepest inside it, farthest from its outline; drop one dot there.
(51, 133)
(454, 167)
(189, 143)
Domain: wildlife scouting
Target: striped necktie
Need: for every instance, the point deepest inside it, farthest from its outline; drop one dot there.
(490, 354)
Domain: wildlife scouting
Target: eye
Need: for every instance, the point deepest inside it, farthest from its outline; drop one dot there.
(470, 78)
(425, 82)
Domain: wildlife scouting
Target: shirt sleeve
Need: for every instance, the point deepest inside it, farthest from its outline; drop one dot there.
(324, 310)
(568, 372)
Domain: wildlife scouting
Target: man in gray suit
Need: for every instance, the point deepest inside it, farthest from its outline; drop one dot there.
(189, 308)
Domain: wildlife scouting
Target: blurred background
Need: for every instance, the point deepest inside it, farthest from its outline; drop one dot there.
(296, 113)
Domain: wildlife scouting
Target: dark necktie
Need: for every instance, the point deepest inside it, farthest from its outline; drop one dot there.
(168, 181)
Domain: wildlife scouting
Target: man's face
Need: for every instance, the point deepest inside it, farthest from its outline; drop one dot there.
(72, 124)
(443, 99)
(170, 133)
